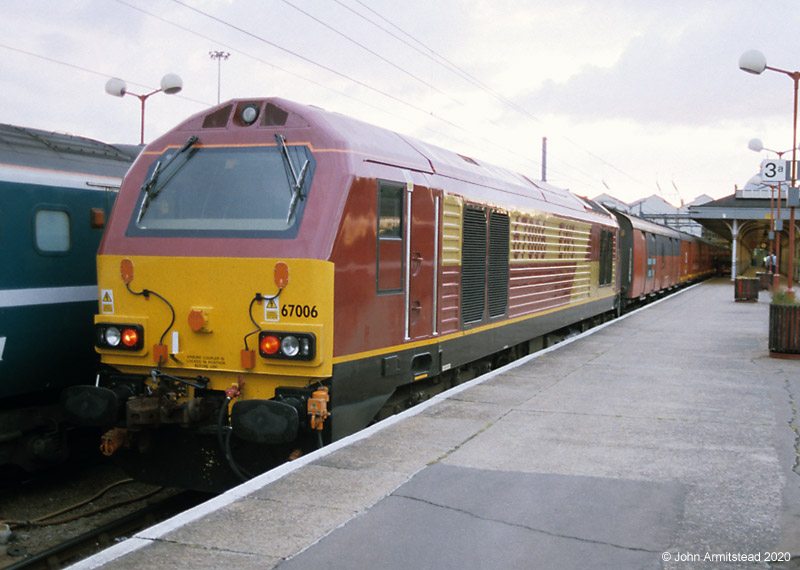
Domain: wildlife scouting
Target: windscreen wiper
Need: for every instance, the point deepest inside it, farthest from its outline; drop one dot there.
(151, 188)
(296, 185)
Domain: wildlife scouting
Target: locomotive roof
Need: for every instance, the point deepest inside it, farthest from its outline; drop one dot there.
(436, 160)
(34, 148)
(382, 146)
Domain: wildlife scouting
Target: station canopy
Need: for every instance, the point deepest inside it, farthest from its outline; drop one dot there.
(747, 210)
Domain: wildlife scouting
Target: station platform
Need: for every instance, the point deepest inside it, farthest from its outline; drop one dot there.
(665, 439)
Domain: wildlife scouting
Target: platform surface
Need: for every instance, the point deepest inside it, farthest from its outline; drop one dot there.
(664, 440)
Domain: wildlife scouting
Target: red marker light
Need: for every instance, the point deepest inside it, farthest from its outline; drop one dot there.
(270, 344)
(130, 337)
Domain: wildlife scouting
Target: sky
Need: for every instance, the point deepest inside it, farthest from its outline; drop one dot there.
(635, 97)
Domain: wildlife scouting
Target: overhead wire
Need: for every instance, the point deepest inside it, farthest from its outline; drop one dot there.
(371, 51)
(464, 74)
(290, 52)
(571, 172)
(329, 69)
(452, 67)
(244, 53)
(455, 69)
(440, 60)
(305, 59)
(256, 58)
(85, 69)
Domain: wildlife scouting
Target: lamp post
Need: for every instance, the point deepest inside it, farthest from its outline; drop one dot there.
(757, 146)
(219, 56)
(754, 62)
(170, 84)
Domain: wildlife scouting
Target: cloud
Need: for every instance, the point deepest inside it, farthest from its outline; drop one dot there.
(679, 68)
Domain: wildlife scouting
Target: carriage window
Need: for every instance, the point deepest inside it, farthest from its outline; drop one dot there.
(51, 230)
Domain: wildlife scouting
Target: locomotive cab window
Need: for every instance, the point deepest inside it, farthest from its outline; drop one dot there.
(52, 231)
(194, 191)
(390, 238)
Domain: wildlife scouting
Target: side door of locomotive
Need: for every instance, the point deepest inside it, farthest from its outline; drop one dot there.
(422, 224)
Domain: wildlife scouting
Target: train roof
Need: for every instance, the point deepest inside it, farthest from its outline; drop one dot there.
(428, 158)
(654, 228)
(34, 148)
(373, 144)
(646, 225)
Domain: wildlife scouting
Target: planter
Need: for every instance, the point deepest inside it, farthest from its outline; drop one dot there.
(764, 280)
(746, 290)
(784, 331)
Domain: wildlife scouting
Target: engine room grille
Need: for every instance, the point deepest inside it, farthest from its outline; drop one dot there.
(498, 263)
(473, 265)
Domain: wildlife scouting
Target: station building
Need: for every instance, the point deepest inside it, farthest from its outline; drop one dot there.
(753, 220)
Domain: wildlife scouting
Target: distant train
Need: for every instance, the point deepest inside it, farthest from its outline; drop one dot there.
(275, 276)
(655, 258)
(55, 191)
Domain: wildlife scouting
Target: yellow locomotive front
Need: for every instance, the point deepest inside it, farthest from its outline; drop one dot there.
(215, 314)
(249, 328)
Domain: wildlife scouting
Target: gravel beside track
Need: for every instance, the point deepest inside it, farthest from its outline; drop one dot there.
(25, 504)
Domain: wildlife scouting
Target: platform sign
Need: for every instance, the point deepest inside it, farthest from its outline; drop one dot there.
(773, 170)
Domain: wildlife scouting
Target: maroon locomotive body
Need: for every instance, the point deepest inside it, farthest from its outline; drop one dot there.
(275, 276)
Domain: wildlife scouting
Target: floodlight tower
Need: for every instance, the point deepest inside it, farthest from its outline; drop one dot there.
(219, 56)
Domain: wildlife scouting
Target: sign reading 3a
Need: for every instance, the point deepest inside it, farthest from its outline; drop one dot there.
(773, 170)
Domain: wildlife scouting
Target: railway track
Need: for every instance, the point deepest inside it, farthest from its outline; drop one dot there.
(50, 523)
(96, 539)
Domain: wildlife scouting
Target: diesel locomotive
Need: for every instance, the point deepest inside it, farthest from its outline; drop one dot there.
(55, 191)
(274, 277)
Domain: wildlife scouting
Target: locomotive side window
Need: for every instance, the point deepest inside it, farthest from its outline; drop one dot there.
(606, 272)
(390, 212)
(196, 191)
(390, 238)
(52, 231)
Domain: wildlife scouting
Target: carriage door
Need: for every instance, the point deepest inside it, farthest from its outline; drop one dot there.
(420, 260)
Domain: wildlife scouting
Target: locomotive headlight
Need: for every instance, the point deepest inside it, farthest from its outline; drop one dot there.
(112, 336)
(249, 114)
(121, 337)
(290, 346)
(287, 345)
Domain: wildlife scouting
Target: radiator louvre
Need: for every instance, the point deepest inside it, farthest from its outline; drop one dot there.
(498, 264)
(473, 266)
